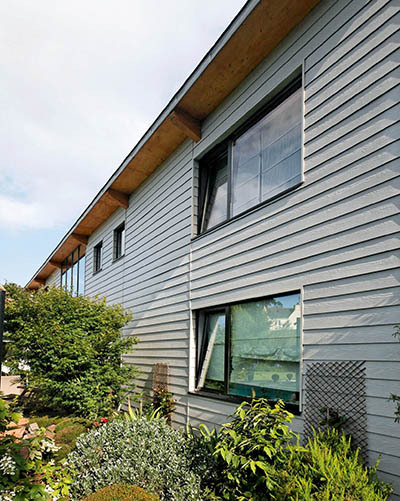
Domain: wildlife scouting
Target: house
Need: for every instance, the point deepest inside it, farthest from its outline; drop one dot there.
(253, 229)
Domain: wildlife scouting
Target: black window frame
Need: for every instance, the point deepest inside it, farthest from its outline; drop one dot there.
(225, 149)
(199, 359)
(98, 257)
(73, 262)
(118, 251)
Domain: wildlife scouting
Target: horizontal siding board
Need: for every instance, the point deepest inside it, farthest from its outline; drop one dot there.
(276, 283)
(374, 352)
(308, 230)
(342, 38)
(371, 281)
(383, 24)
(352, 335)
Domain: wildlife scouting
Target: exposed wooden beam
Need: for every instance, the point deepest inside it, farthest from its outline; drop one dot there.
(186, 123)
(82, 239)
(40, 281)
(116, 196)
(56, 264)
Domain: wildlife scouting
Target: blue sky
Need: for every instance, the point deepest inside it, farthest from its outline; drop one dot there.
(80, 84)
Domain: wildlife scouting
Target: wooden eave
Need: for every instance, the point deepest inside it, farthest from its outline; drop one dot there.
(258, 28)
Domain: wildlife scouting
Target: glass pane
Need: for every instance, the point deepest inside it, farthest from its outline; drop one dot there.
(81, 283)
(68, 274)
(246, 171)
(213, 353)
(215, 211)
(123, 241)
(75, 274)
(267, 158)
(265, 348)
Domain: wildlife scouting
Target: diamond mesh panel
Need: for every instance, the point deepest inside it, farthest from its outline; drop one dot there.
(335, 392)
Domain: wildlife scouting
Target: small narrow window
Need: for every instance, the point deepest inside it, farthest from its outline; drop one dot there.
(98, 257)
(119, 241)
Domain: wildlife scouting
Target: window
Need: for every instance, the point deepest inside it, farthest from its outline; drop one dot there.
(73, 272)
(97, 257)
(257, 163)
(252, 346)
(119, 241)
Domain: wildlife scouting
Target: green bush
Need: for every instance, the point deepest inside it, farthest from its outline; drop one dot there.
(27, 470)
(140, 452)
(66, 432)
(250, 447)
(122, 492)
(327, 468)
(72, 348)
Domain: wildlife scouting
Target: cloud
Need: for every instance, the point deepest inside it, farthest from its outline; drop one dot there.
(81, 83)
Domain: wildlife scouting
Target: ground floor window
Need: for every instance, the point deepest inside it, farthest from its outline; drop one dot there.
(251, 347)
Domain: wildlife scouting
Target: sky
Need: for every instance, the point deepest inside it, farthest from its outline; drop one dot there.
(80, 83)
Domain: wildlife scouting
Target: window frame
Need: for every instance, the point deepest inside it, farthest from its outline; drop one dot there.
(73, 263)
(216, 394)
(98, 263)
(225, 147)
(117, 241)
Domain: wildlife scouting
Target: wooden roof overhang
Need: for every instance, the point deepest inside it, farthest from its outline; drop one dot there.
(253, 34)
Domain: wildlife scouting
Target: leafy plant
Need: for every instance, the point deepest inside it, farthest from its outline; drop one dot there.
(327, 468)
(143, 411)
(163, 402)
(122, 492)
(68, 350)
(149, 454)
(250, 447)
(27, 470)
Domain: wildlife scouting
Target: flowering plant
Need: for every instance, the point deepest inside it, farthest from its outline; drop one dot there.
(27, 468)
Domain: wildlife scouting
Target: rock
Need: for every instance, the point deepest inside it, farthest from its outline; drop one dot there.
(23, 422)
(52, 428)
(33, 427)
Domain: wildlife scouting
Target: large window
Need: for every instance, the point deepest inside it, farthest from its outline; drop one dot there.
(251, 347)
(119, 241)
(257, 163)
(73, 272)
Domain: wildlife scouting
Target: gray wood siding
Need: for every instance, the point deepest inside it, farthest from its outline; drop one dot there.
(334, 238)
(54, 280)
(152, 279)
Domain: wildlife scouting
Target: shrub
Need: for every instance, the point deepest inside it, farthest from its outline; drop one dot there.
(122, 492)
(327, 468)
(71, 349)
(164, 402)
(250, 447)
(27, 471)
(140, 452)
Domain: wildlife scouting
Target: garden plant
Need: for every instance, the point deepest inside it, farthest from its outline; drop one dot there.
(68, 350)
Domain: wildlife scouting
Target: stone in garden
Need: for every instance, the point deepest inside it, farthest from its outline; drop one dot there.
(23, 422)
(33, 427)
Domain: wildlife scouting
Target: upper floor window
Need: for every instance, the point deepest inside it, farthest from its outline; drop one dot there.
(97, 257)
(73, 272)
(257, 163)
(251, 347)
(119, 241)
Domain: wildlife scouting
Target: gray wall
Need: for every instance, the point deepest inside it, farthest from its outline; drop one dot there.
(333, 238)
